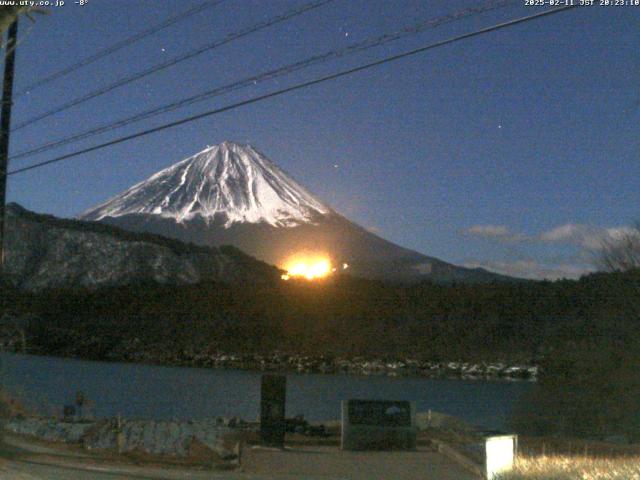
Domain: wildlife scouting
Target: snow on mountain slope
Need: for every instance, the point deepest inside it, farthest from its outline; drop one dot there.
(229, 180)
(230, 194)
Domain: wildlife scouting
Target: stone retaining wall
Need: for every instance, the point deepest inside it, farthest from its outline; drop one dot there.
(172, 438)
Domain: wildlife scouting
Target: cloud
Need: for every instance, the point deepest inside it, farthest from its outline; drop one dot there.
(586, 239)
(568, 231)
(498, 232)
(586, 236)
(620, 232)
(531, 269)
(488, 230)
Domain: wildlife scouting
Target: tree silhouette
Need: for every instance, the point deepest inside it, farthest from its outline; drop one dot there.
(621, 253)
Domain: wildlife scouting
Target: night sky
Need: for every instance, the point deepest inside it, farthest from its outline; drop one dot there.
(517, 150)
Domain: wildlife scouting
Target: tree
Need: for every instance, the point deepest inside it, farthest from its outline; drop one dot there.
(12, 331)
(8, 14)
(621, 253)
(589, 387)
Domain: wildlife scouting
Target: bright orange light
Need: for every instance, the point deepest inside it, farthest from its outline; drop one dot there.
(310, 268)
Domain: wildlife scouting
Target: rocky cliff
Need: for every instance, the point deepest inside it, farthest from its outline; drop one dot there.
(47, 252)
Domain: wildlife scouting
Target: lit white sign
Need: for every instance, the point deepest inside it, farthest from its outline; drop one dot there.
(500, 453)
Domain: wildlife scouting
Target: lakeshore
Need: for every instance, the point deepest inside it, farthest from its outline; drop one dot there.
(321, 364)
(147, 391)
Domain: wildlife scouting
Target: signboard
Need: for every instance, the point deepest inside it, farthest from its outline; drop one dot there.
(500, 451)
(380, 413)
(378, 425)
(272, 410)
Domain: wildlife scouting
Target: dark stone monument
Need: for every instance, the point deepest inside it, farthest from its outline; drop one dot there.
(378, 425)
(68, 413)
(273, 393)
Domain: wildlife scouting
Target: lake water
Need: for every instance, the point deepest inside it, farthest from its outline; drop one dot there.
(162, 393)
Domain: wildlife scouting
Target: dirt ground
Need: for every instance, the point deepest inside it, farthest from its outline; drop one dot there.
(332, 463)
(24, 460)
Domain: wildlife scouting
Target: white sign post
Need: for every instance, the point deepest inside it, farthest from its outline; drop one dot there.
(500, 451)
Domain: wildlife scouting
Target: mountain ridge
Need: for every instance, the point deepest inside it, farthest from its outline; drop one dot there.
(229, 179)
(233, 194)
(44, 252)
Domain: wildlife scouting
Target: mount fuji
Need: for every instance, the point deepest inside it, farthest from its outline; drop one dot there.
(231, 194)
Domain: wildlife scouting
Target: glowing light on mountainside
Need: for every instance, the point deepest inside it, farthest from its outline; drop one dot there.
(309, 266)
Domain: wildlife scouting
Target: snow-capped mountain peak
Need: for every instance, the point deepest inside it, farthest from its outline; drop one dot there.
(229, 180)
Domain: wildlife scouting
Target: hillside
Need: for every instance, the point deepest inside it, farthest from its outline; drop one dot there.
(343, 316)
(231, 194)
(47, 252)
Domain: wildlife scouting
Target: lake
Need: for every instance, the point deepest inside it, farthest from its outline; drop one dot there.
(163, 393)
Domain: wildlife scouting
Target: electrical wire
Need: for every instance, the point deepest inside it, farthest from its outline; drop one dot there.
(297, 87)
(117, 46)
(174, 61)
(270, 75)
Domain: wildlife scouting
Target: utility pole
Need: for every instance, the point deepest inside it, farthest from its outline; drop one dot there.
(5, 125)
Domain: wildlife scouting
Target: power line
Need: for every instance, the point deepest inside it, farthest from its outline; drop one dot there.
(271, 74)
(118, 46)
(297, 87)
(180, 58)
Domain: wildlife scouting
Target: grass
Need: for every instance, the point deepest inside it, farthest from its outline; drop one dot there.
(565, 467)
(10, 406)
